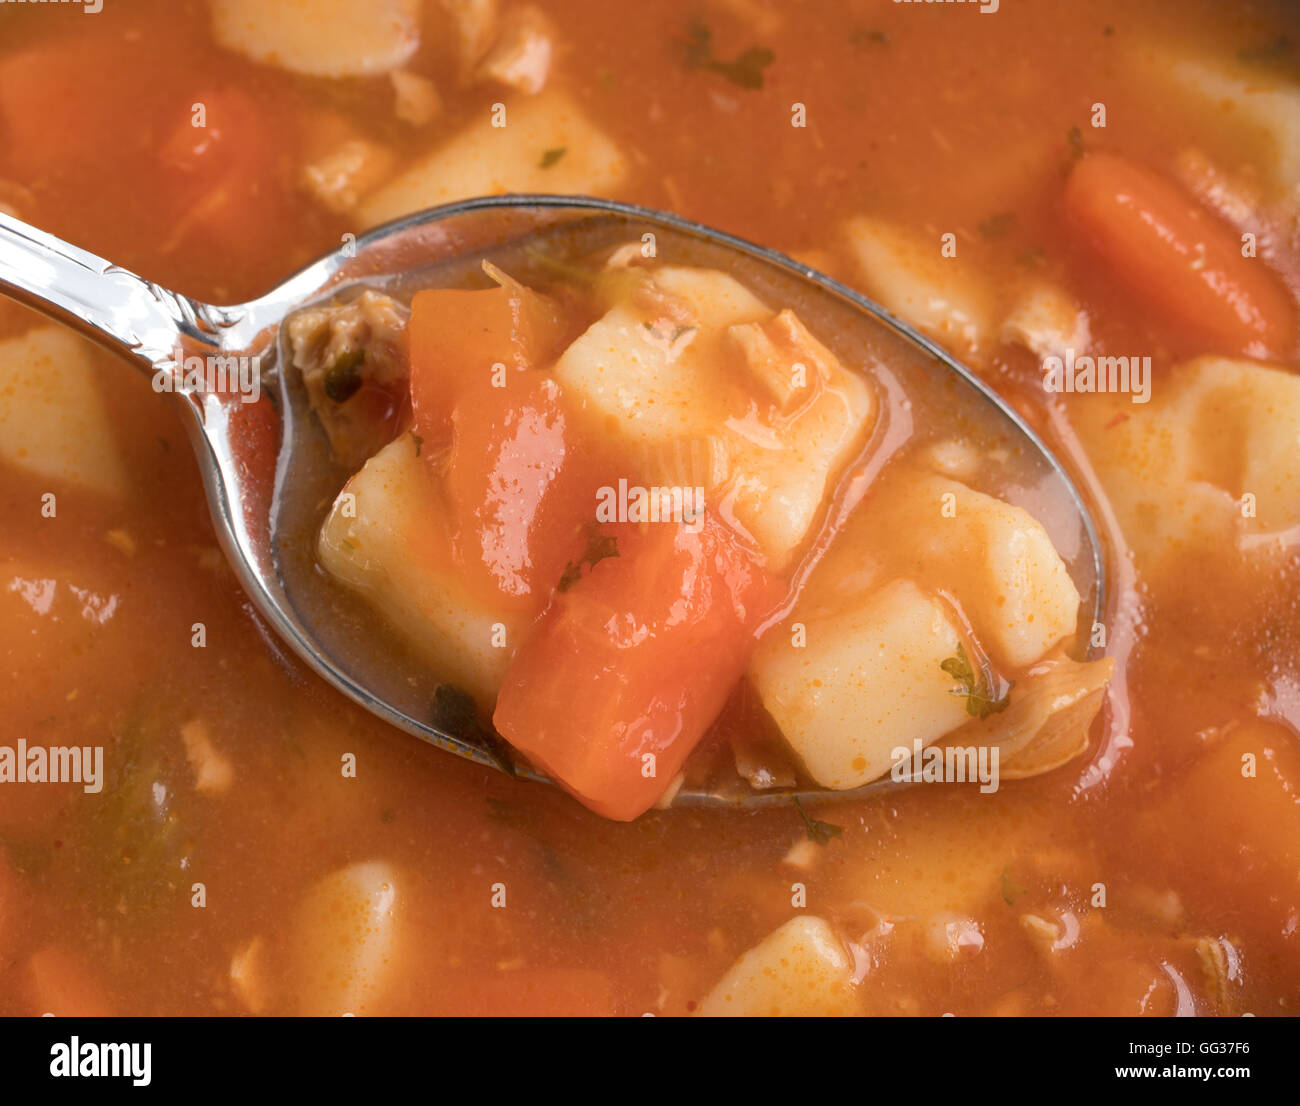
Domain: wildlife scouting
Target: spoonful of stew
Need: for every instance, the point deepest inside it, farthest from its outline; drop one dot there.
(593, 494)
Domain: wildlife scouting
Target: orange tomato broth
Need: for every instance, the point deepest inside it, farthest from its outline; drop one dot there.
(953, 118)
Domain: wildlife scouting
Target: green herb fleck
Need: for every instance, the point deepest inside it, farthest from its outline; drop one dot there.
(600, 547)
(998, 226)
(419, 442)
(862, 37)
(550, 157)
(1074, 139)
(1010, 892)
(343, 378)
(977, 690)
(818, 831)
(1031, 258)
(677, 331)
(746, 71)
(456, 714)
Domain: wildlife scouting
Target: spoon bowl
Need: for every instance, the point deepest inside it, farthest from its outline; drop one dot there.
(269, 477)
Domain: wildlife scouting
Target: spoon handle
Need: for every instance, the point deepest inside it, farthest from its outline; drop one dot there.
(108, 304)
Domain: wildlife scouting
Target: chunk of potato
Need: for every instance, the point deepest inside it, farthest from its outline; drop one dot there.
(1232, 104)
(866, 681)
(52, 422)
(992, 557)
(346, 941)
(321, 38)
(911, 278)
(485, 159)
(998, 561)
(656, 384)
(396, 551)
(663, 372)
(785, 463)
(1177, 469)
(799, 970)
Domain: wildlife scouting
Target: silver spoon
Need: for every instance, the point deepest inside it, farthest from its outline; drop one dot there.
(255, 504)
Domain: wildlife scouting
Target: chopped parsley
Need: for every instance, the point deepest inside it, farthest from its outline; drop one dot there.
(862, 37)
(550, 157)
(977, 690)
(818, 831)
(1032, 257)
(419, 442)
(745, 71)
(343, 378)
(672, 336)
(1074, 140)
(998, 226)
(600, 547)
(1010, 892)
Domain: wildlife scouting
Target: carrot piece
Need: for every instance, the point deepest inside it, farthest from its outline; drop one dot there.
(1176, 257)
(627, 669)
(59, 984)
(521, 476)
(522, 489)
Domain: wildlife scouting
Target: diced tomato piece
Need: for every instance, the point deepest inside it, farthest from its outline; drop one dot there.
(457, 337)
(628, 668)
(1176, 257)
(221, 168)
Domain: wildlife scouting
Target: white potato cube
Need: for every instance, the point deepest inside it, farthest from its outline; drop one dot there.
(346, 941)
(1232, 104)
(1177, 470)
(799, 970)
(389, 542)
(909, 276)
(866, 681)
(998, 561)
(521, 156)
(52, 421)
(320, 38)
(653, 386)
(773, 448)
(785, 463)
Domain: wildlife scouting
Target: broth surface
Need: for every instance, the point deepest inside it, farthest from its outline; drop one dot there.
(1169, 881)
